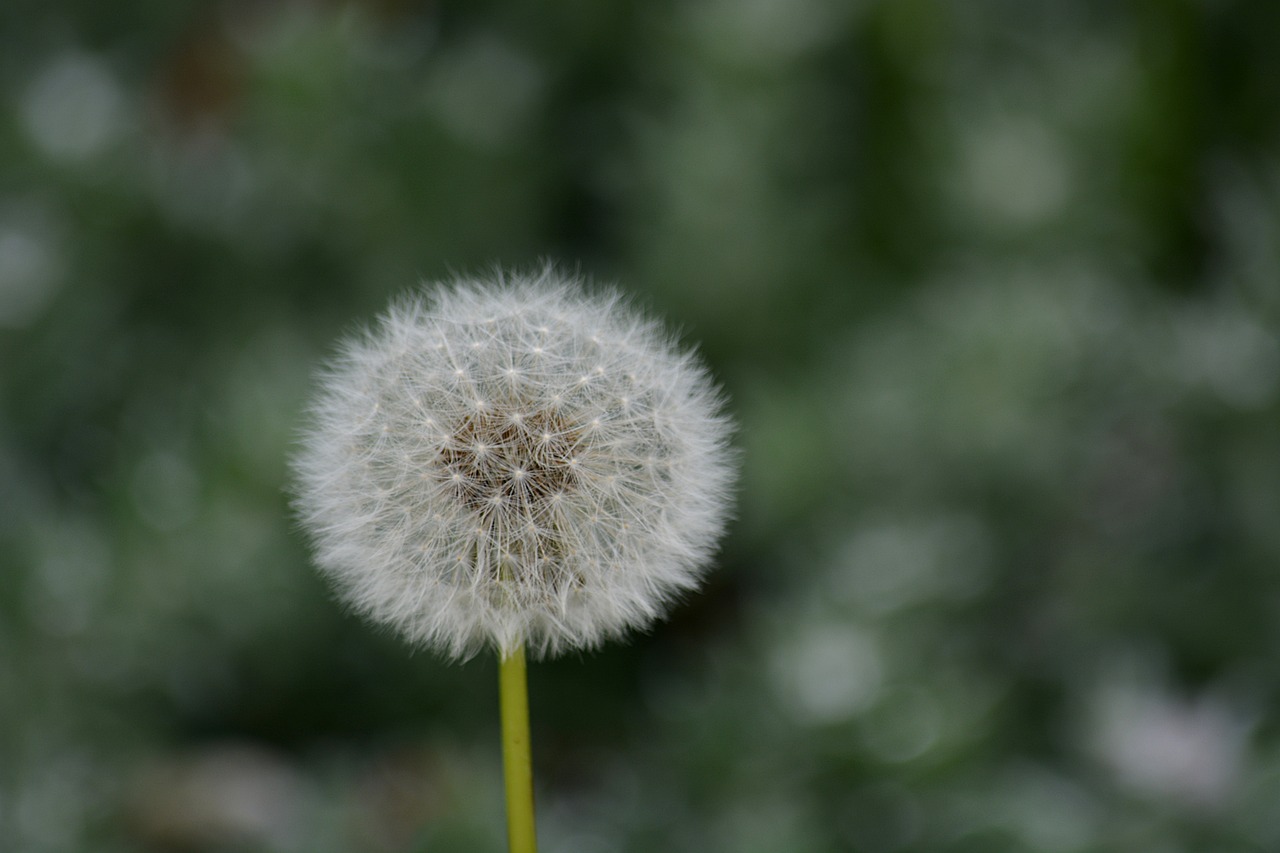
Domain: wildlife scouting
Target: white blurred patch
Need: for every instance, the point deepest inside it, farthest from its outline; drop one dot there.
(30, 274)
(1014, 172)
(1225, 348)
(829, 672)
(74, 108)
(1187, 751)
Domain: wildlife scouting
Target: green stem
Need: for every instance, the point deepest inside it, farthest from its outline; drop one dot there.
(517, 763)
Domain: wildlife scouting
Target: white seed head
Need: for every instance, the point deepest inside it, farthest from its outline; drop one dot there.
(511, 463)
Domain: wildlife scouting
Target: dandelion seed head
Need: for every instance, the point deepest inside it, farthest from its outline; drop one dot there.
(514, 463)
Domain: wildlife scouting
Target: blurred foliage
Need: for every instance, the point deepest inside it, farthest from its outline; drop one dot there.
(995, 290)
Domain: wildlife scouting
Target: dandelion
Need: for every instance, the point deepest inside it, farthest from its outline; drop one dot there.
(516, 464)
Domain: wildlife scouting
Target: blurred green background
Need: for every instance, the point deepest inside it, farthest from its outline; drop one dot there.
(994, 288)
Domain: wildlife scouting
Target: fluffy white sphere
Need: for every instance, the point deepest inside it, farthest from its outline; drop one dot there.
(514, 462)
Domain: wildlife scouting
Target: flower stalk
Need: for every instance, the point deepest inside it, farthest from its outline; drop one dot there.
(516, 756)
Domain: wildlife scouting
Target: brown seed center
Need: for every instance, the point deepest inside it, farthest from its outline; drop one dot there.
(511, 462)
